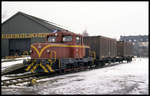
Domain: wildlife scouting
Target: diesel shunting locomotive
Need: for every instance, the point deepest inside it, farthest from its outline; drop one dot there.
(66, 51)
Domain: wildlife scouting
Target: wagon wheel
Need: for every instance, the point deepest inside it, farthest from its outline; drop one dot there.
(102, 64)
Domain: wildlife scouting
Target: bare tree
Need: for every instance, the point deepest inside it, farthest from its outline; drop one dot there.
(85, 33)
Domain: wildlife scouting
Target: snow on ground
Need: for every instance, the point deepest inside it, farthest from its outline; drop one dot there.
(26, 57)
(8, 64)
(5, 65)
(126, 78)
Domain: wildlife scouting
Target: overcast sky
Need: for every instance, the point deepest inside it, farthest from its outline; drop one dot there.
(110, 19)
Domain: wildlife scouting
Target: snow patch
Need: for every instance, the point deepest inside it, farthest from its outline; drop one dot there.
(126, 78)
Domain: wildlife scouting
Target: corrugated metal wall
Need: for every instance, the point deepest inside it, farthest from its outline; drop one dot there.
(18, 25)
(19, 46)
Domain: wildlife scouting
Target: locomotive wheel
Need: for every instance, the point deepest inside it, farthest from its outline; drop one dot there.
(60, 71)
(97, 64)
(90, 65)
(63, 71)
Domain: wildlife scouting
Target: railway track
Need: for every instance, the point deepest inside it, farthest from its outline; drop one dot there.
(20, 79)
(26, 78)
(37, 76)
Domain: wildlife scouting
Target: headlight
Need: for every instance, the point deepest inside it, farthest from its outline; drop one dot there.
(30, 51)
(56, 34)
(48, 51)
(39, 46)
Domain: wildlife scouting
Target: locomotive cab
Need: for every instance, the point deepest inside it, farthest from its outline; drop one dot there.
(65, 37)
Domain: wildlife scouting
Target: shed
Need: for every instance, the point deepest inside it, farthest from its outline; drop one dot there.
(19, 31)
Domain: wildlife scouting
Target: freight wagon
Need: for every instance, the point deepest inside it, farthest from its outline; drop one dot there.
(109, 50)
(124, 49)
(104, 47)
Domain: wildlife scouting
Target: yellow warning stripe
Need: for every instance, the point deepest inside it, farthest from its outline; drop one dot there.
(34, 68)
(50, 61)
(50, 68)
(53, 57)
(55, 45)
(29, 66)
(80, 46)
(36, 50)
(45, 70)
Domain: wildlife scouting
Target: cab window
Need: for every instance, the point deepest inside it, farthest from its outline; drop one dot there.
(78, 40)
(67, 38)
(51, 39)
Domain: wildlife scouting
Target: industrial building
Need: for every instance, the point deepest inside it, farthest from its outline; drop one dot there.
(21, 30)
(140, 44)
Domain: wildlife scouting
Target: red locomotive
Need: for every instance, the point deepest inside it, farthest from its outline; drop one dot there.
(65, 51)
(61, 51)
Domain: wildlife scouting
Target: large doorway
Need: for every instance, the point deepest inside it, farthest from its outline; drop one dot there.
(19, 46)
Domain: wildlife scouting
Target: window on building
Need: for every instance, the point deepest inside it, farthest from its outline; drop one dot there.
(67, 38)
(51, 39)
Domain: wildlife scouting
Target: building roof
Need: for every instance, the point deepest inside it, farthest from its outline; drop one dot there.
(44, 23)
(139, 38)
